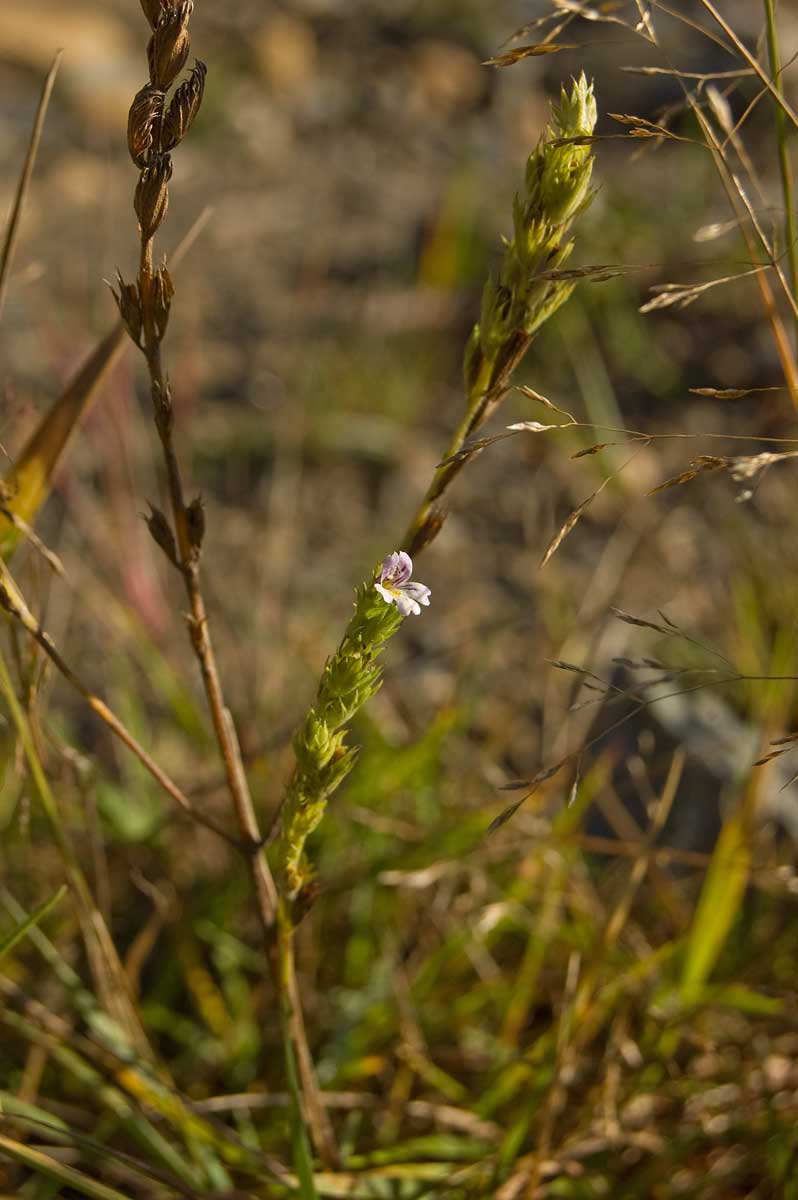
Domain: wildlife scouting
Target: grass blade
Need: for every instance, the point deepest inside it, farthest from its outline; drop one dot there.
(10, 940)
(12, 232)
(29, 481)
(35, 1160)
(719, 903)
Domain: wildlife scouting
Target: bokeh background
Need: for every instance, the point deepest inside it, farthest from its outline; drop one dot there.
(359, 161)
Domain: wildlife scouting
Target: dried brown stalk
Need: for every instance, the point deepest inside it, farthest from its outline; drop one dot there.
(156, 127)
(12, 233)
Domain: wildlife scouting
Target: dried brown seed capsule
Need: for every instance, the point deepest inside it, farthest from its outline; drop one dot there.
(152, 10)
(129, 303)
(161, 293)
(151, 199)
(195, 521)
(170, 44)
(161, 533)
(142, 124)
(162, 404)
(184, 107)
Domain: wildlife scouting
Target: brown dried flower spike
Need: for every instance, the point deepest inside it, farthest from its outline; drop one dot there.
(151, 199)
(146, 114)
(184, 108)
(129, 304)
(170, 44)
(152, 10)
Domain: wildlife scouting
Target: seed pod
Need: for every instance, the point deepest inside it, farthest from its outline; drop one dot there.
(184, 107)
(129, 303)
(152, 10)
(161, 533)
(170, 44)
(195, 521)
(161, 293)
(142, 123)
(151, 200)
(162, 404)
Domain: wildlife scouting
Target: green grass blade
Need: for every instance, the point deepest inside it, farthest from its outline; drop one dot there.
(10, 940)
(719, 903)
(35, 1160)
(29, 481)
(303, 1159)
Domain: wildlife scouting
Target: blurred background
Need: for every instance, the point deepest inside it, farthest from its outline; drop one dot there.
(359, 161)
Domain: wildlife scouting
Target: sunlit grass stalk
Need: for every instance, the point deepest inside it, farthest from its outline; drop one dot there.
(785, 167)
(17, 208)
(526, 291)
(515, 303)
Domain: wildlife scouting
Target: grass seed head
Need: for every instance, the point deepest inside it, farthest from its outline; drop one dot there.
(160, 296)
(152, 10)
(184, 107)
(129, 303)
(170, 44)
(145, 116)
(161, 533)
(151, 200)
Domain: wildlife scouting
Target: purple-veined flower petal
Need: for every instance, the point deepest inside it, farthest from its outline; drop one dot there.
(417, 591)
(396, 568)
(396, 587)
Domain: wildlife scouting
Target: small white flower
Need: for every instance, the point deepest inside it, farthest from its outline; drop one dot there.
(395, 586)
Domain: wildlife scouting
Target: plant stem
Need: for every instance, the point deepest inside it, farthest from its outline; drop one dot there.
(187, 561)
(15, 605)
(199, 632)
(785, 169)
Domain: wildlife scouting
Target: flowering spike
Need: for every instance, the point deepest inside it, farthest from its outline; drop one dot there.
(184, 107)
(151, 199)
(145, 115)
(396, 587)
(170, 44)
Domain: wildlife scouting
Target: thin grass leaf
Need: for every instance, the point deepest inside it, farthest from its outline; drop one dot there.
(680, 295)
(35, 1160)
(570, 523)
(719, 904)
(532, 51)
(12, 232)
(596, 448)
(28, 483)
(300, 1138)
(641, 623)
(729, 393)
(706, 462)
(19, 932)
(531, 394)
(26, 486)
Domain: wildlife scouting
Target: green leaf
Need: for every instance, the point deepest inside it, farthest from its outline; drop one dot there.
(28, 483)
(35, 1160)
(10, 940)
(719, 903)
